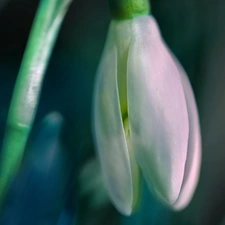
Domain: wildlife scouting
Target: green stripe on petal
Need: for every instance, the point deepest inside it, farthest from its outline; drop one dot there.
(157, 111)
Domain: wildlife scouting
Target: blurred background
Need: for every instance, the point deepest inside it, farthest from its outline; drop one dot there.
(195, 32)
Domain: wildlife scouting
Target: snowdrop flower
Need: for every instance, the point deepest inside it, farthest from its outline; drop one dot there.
(145, 116)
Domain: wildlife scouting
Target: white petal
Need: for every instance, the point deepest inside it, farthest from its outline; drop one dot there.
(109, 133)
(121, 33)
(192, 167)
(157, 111)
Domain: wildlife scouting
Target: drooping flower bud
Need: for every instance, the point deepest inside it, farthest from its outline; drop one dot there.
(145, 117)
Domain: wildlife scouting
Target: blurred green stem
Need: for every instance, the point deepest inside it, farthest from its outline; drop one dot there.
(25, 98)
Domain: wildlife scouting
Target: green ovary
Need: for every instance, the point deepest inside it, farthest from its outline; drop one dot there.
(127, 9)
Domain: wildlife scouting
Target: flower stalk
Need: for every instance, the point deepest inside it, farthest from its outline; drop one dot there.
(26, 93)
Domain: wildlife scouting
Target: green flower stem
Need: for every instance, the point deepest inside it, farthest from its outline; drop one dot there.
(128, 9)
(25, 98)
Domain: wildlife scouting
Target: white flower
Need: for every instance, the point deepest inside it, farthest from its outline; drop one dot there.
(145, 117)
